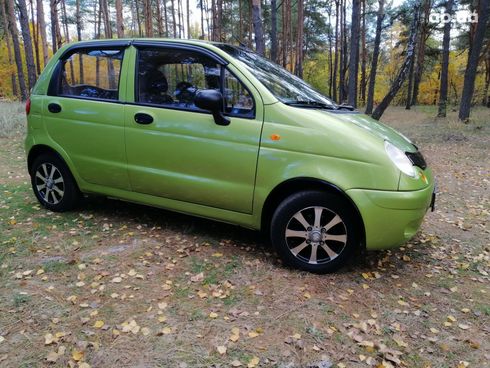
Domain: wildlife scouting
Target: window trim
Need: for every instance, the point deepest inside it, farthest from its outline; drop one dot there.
(141, 45)
(54, 87)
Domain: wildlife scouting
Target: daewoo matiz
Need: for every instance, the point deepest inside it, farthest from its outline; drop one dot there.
(217, 131)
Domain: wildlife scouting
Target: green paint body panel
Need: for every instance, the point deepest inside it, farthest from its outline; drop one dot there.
(185, 162)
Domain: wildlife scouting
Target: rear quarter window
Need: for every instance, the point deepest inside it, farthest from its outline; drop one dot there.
(90, 73)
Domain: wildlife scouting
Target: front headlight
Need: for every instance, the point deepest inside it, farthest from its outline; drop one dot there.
(400, 159)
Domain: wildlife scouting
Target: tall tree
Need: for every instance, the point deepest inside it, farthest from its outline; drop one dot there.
(354, 52)
(473, 58)
(445, 62)
(15, 42)
(55, 26)
(42, 30)
(298, 68)
(336, 56)
(363, 82)
(257, 24)
(402, 73)
(147, 13)
(27, 41)
(374, 64)
(424, 34)
(13, 77)
(35, 38)
(273, 30)
(119, 18)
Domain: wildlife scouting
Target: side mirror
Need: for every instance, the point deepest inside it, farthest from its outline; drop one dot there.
(212, 100)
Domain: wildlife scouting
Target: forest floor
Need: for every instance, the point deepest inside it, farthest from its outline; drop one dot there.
(117, 284)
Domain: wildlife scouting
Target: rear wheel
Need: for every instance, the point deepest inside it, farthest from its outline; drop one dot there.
(314, 231)
(53, 184)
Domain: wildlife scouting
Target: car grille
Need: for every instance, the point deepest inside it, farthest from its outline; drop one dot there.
(417, 159)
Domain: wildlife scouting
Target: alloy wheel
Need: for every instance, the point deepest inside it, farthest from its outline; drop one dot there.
(316, 235)
(49, 183)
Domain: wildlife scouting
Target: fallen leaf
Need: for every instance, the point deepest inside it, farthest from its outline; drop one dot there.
(236, 363)
(221, 349)
(99, 324)
(77, 355)
(52, 357)
(253, 362)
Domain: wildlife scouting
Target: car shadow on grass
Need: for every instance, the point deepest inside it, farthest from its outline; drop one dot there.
(207, 230)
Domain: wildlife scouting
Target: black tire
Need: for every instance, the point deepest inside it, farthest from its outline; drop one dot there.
(49, 171)
(334, 236)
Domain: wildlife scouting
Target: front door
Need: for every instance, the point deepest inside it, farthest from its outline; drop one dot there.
(84, 114)
(176, 150)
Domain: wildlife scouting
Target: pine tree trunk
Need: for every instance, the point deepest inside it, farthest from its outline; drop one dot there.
(424, 30)
(138, 18)
(119, 18)
(343, 52)
(147, 13)
(284, 47)
(363, 82)
(188, 20)
(472, 65)
(257, 23)
(410, 84)
(201, 5)
(55, 26)
(445, 63)
(27, 41)
(42, 30)
(13, 78)
(165, 14)
(402, 74)
(336, 57)
(354, 53)
(298, 68)
(174, 21)
(35, 39)
(374, 64)
(15, 41)
(274, 30)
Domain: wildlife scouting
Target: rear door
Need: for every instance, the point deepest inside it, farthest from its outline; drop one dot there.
(179, 152)
(84, 113)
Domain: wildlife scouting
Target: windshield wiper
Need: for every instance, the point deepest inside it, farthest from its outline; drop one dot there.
(310, 103)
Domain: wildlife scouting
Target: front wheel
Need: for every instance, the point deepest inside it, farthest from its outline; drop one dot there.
(53, 184)
(314, 231)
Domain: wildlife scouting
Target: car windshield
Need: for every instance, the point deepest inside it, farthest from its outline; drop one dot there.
(285, 86)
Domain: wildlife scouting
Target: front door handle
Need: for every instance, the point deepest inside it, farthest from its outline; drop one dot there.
(54, 108)
(142, 118)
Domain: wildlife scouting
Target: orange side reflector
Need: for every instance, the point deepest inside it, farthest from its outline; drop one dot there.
(275, 137)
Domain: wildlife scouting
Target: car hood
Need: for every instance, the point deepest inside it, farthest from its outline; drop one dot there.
(376, 128)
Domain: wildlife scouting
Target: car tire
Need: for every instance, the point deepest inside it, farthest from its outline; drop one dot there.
(53, 184)
(315, 231)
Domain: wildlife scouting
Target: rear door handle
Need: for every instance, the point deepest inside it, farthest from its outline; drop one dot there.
(142, 118)
(54, 108)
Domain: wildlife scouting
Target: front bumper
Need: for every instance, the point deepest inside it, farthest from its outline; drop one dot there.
(391, 218)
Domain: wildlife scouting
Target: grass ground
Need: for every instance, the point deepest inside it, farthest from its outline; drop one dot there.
(117, 284)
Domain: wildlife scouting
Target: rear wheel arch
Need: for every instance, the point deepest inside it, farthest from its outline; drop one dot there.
(41, 149)
(301, 184)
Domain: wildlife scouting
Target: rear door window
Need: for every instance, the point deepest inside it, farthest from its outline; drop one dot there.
(91, 73)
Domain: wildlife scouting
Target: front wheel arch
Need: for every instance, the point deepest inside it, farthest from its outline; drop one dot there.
(295, 185)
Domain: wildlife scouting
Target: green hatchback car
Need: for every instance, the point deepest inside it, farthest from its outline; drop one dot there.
(217, 131)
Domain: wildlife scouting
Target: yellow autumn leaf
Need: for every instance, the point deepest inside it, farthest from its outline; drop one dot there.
(77, 355)
(99, 324)
(213, 315)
